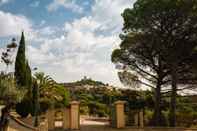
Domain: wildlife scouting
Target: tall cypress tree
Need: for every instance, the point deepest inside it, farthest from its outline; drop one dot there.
(22, 69)
(28, 76)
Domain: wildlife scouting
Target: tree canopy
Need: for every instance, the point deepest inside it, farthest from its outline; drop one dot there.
(158, 44)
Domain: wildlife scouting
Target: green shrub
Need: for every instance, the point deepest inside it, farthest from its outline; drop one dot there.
(101, 113)
(44, 106)
(58, 105)
(185, 116)
(84, 110)
(148, 116)
(24, 108)
(163, 121)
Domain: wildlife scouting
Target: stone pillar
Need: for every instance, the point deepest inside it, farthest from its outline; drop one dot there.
(51, 119)
(74, 115)
(136, 119)
(120, 116)
(43, 125)
(46, 125)
(66, 118)
(141, 119)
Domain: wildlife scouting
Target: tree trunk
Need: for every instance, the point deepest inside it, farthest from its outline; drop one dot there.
(157, 112)
(4, 120)
(157, 115)
(172, 117)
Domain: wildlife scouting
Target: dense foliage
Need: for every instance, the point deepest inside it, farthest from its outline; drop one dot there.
(8, 91)
(24, 107)
(51, 92)
(46, 94)
(9, 94)
(98, 101)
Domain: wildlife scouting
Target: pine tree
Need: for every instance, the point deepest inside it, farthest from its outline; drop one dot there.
(158, 42)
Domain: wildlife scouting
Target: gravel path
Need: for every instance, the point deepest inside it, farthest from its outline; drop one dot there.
(91, 122)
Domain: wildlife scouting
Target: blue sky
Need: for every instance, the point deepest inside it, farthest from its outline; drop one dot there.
(67, 39)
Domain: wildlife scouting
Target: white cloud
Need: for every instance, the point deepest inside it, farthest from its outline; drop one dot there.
(48, 30)
(108, 13)
(4, 1)
(13, 24)
(83, 24)
(67, 4)
(38, 57)
(87, 46)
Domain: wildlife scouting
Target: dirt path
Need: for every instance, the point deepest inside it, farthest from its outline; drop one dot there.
(93, 121)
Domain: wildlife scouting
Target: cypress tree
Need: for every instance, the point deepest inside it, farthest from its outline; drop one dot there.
(28, 76)
(22, 69)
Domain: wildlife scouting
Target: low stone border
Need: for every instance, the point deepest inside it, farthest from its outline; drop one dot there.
(22, 123)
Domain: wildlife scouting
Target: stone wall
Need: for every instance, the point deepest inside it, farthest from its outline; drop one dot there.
(70, 120)
(43, 125)
(120, 120)
(70, 117)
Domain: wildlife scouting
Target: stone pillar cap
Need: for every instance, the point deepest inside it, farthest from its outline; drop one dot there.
(74, 103)
(120, 102)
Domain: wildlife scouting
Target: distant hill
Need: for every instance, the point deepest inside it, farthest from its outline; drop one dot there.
(89, 81)
(85, 83)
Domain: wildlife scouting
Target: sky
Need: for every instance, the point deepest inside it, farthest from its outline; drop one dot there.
(66, 39)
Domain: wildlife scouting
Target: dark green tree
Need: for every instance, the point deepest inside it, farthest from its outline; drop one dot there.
(36, 106)
(158, 41)
(22, 69)
(28, 76)
(139, 60)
